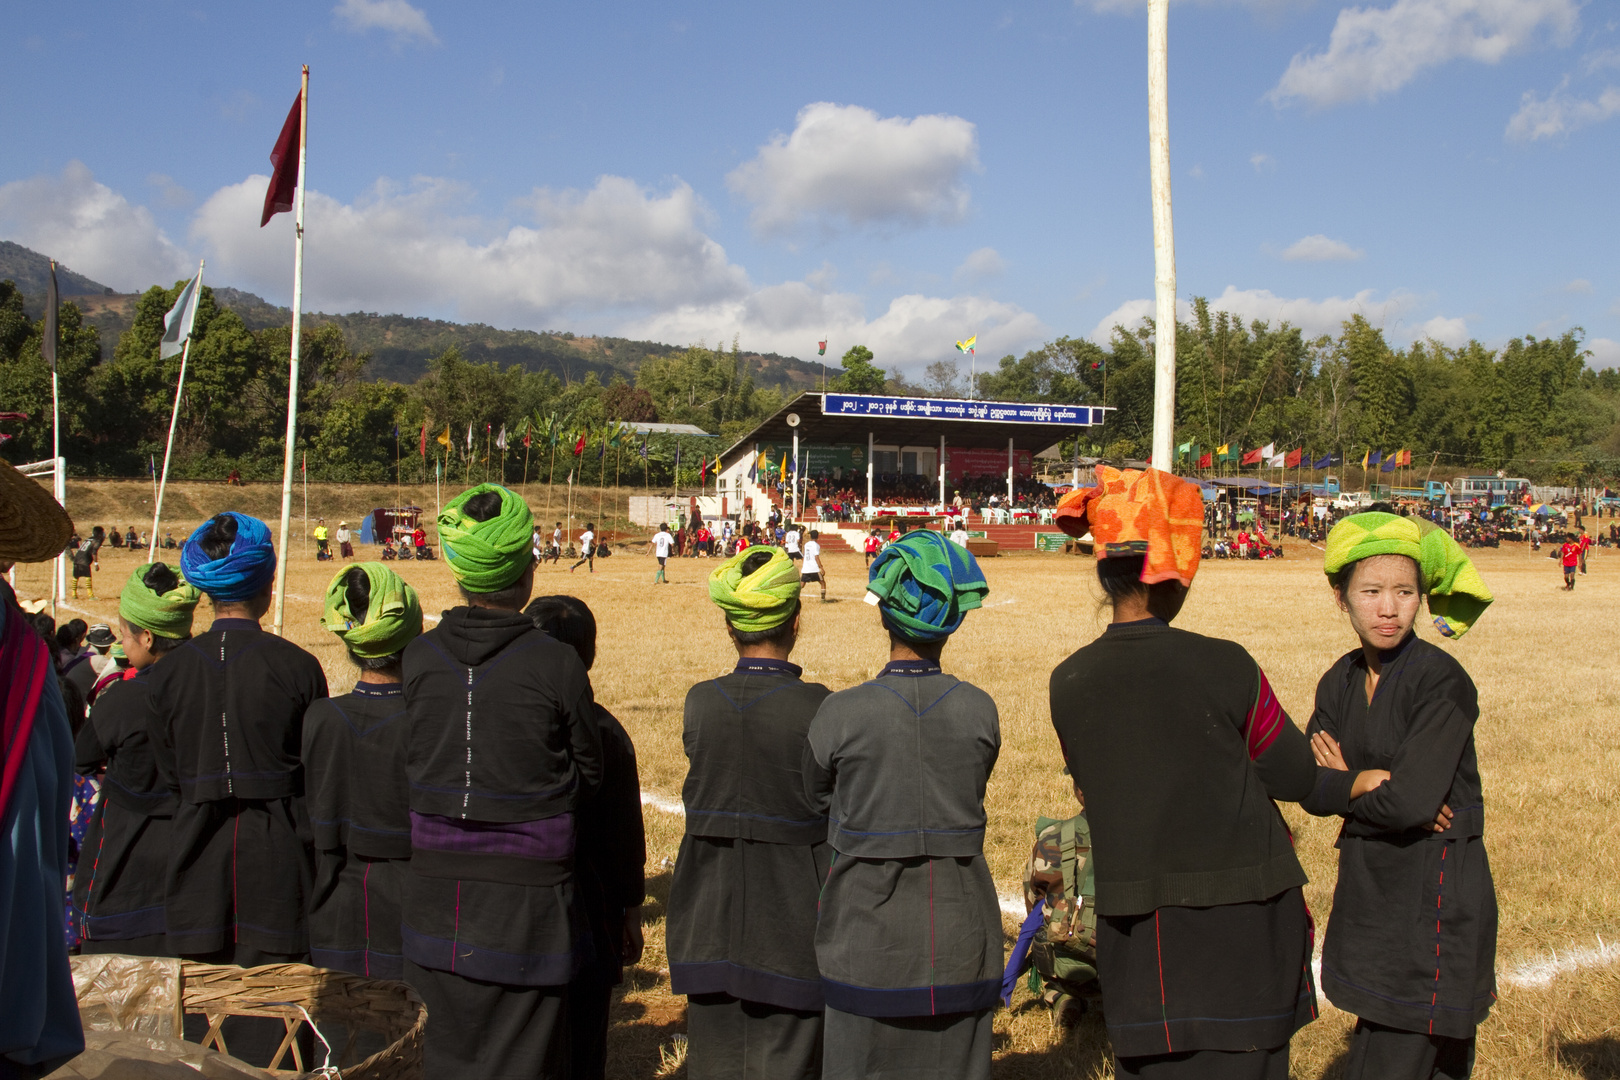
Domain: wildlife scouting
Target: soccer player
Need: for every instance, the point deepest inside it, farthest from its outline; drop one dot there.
(87, 557)
(354, 769)
(587, 548)
(1569, 556)
(660, 546)
(503, 745)
(812, 571)
(873, 545)
(741, 919)
(790, 541)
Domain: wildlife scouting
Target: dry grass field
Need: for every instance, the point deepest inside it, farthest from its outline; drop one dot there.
(1549, 747)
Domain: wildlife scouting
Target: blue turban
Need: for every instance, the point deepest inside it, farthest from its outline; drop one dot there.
(243, 573)
(923, 585)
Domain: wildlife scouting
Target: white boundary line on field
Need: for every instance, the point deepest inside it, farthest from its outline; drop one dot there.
(1541, 972)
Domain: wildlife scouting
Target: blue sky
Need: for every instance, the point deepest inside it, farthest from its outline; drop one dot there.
(899, 175)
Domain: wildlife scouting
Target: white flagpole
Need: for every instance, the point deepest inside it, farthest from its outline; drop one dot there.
(59, 482)
(292, 366)
(174, 418)
(163, 482)
(1164, 243)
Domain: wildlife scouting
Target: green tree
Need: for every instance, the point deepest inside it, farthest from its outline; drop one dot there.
(859, 376)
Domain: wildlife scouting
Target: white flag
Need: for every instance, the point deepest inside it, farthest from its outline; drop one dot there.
(1268, 451)
(1277, 461)
(469, 438)
(178, 322)
(500, 440)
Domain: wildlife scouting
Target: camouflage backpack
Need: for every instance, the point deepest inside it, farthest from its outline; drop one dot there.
(1059, 871)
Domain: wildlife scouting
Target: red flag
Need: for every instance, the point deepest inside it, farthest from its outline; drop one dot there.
(424, 440)
(525, 440)
(284, 159)
(1292, 460)
(1251, 458)
(579, 447)
(703, 467)
(821, 349)
(1205, 461)
(303, 463)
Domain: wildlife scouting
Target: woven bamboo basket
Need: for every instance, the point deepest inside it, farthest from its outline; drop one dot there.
(153, 995)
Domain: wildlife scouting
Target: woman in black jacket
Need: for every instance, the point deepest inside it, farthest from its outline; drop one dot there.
(1411, 945)
(1180, 746)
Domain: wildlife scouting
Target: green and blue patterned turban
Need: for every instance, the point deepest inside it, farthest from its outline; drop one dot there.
(923, 585)
(393, 616)
(164, 614)
(1457, 594)
(487, 556)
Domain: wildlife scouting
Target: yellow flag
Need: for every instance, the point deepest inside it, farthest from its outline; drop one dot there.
(967, 346)
(444, 440)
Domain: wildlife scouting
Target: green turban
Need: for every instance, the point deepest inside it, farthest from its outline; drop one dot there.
(762, 600)
(166, 615)
(924, 585)
(487, 556)
(1457, 594)
(393, 615)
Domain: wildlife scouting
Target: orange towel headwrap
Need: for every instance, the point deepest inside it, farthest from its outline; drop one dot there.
(1150, 513)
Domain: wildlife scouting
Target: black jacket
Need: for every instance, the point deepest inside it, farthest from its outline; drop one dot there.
(744, 734)
(227, 714)
(115, 736)
(1180, 749)
(904, 781)
(502, 733)
(354, 761)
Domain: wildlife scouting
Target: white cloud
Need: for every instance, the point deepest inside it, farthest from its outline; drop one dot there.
(396, 17)
(1262, 162)
(984, 263)
(914, 330)
(614, 247)
(1602, 59)
(1605, 352)
(1376, 51)
(1560, 113)
(1196, 172)
(1311, 316)
(617, 258)
(1319, 248)
(1452, 332)
(92, 229)
(1579, 286)
(845, 165)
(170, 193)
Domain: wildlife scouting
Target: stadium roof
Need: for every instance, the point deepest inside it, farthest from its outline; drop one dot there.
(831, 419)
(669, 429)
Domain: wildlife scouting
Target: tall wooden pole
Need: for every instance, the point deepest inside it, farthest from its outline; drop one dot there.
(292, 364)
(1164, 243)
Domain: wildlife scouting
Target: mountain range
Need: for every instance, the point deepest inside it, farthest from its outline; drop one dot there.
(400, 345)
